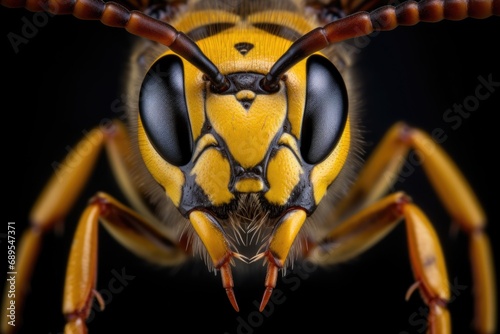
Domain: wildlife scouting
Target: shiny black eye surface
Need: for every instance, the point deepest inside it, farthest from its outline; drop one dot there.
(163, 110)
(325, 113)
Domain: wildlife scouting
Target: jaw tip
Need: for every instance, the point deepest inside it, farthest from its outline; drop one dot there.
(265, 298)
(232, 299)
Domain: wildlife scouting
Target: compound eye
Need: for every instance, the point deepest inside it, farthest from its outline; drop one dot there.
(163, 110)
(325, 113)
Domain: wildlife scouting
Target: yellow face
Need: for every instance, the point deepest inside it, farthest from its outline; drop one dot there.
(206, 148)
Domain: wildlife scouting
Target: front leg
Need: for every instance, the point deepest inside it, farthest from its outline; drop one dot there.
(380, 173)
(59, 196)
(127, 227)
(50, 209)
(370, 225)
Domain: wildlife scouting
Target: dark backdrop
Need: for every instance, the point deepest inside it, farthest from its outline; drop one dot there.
(63, 81)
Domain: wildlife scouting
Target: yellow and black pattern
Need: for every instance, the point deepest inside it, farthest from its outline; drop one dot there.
(241, 144)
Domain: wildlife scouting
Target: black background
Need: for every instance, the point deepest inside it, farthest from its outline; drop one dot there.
(63, 82)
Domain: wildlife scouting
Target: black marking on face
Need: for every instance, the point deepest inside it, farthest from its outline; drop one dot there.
(243, 47)
(208, 30)
(278, 30)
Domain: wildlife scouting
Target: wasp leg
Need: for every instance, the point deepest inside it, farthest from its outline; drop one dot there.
(51, 207)
(131, 230)
(58, 198)
(278, 248)
(213, 238)
(381, 173)
(367, 227)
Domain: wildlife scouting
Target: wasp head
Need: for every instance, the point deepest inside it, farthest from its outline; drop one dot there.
(208, 148)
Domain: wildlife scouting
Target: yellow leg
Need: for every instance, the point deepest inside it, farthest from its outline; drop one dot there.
(58, 198)
(81, 274)
(51, 207)
(370, 225)
(380, 173)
